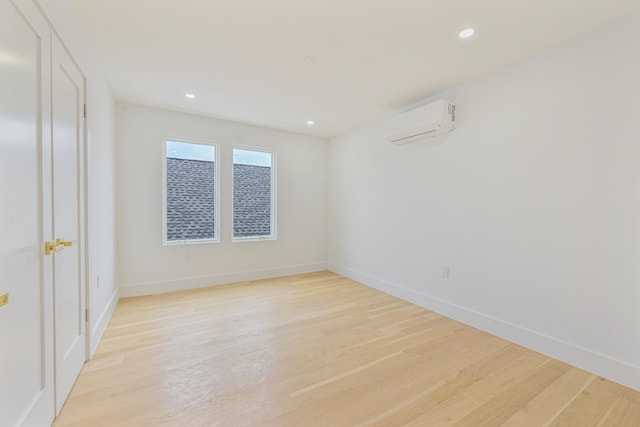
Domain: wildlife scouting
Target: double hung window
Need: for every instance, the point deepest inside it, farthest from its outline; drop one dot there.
(191, 190)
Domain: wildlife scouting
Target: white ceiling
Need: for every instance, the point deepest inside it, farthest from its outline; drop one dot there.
(244, 59)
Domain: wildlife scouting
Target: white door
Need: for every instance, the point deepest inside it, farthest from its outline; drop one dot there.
(26, 322)
(68, 161)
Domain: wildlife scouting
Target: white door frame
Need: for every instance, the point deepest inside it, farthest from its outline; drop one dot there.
(85, 225)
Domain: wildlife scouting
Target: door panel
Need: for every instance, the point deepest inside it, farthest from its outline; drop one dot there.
(26, 333)
(68, 161)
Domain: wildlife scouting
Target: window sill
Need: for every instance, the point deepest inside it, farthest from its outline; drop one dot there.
(252, 239)
(190, 242)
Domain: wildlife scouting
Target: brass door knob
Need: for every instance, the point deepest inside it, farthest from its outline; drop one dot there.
(4, 299)
(58, 245)
(61, 242)
(50, 247)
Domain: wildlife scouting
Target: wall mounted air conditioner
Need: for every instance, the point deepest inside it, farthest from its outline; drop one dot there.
(427, 121)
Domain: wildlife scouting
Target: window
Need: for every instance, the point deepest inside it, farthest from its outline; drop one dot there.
(190, 199)
(253, 195)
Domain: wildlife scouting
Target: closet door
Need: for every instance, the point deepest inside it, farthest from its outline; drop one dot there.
(68, 219)
(26, 320)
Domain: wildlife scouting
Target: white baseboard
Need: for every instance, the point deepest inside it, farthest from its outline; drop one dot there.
(101, 323)
(150, 288)
(616, 370)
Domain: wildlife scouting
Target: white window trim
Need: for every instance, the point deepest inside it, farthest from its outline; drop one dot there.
(274, 195)
(216, 177)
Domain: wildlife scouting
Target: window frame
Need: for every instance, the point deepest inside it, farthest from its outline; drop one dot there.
(216, 177)
(273, 205)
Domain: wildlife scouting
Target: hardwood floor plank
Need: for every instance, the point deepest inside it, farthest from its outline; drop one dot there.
(504, 404)
(481, 391)
(590, 407)
(545, 407)
(623, 413)
(321, 350)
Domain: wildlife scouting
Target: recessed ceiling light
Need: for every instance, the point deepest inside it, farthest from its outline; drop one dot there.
(466, 33)
(307, 59)
(190, 95)
(311, 122)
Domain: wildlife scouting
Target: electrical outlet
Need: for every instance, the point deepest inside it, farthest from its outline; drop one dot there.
(98, 279)
(444, 272)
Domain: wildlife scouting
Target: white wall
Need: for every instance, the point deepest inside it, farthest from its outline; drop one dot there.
(101, 159)
(533, 203)
(100, 168)
(147, 266)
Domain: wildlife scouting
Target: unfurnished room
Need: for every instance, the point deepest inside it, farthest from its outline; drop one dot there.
(352, 213)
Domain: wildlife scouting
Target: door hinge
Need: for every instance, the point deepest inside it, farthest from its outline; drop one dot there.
(85, 111)
(86, 315)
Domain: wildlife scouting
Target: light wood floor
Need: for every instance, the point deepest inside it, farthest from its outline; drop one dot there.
(322, 350)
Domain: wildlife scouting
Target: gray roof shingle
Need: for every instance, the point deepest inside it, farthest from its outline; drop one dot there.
(191, 200)
(251, 200)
